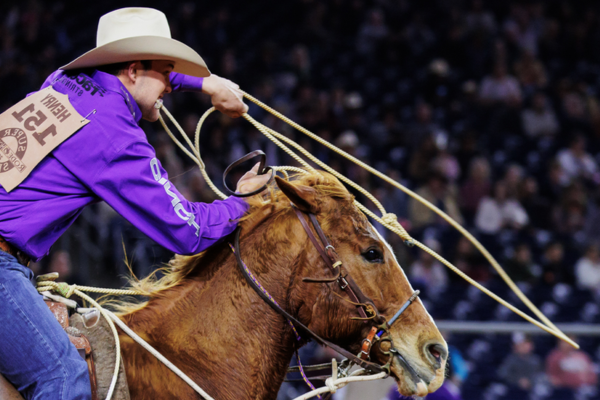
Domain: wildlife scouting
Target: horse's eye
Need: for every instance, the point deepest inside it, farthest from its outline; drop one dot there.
(373, 256)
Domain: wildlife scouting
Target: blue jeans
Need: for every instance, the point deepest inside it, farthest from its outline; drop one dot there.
(36, 355)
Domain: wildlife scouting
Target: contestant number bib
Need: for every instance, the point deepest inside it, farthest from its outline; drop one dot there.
(30, 130)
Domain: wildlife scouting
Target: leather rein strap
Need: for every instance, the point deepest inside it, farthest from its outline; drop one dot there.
(262, 169)
(331, 258)
(367, 365)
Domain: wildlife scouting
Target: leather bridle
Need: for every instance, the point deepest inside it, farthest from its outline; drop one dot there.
(379, 332)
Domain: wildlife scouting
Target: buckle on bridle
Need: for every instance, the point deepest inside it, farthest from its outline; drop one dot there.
(367, 344)
(344, 281)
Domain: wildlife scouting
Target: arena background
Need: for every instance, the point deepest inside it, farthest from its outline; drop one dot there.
(489, 109)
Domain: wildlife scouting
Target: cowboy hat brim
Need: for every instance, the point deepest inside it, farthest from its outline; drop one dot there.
(187, 61)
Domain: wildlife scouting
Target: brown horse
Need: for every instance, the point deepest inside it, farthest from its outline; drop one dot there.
(205, 318)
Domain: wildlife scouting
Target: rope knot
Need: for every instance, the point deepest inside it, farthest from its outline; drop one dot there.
(392, 220)
(64, 289)
(330, 382)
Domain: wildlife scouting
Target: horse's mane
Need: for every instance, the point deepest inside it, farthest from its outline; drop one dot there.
(180, 267)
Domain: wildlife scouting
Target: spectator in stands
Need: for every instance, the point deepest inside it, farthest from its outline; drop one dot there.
(539, 120)
(567, 367)
(520, 266)
(385, 134)
(591, 229)
(421, 160)
(300, 63)
(513, 178)
(522, 367)
(568, 216)
(470, 261)
(372, 32)
(444, 161)
(576, 162)
(479, 18)
(500, 87)
(499, 212)
(536, 206)
(438, 192)
(530, 72)
(468, 149)
(395, 200)
(418, 35)
(476, 187)
(427, 271)
(553, 266)
(575, 111)
(551, 185)
(439, 88)
(520, 30)
(587, 269)
(422, 128)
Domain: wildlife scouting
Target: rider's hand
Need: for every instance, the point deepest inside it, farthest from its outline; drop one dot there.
(225, 95)
(251, 181)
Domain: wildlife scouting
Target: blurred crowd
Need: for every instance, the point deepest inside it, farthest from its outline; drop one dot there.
(488, 109)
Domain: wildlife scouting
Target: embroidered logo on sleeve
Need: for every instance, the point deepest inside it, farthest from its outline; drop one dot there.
(175, 202)
(30, 130)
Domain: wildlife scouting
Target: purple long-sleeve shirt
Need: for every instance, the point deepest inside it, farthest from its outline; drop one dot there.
(109, 159)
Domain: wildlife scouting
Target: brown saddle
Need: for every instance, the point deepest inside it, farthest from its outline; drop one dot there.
(95, 344)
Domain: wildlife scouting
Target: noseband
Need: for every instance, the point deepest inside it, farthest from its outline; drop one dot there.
(380, 331)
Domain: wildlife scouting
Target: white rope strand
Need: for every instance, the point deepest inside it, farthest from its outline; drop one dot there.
(156, 354)
(332, 384)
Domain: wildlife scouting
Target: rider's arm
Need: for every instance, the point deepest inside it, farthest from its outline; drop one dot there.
(137, 187)
(181, 82)
(112, 157)
(225, 95)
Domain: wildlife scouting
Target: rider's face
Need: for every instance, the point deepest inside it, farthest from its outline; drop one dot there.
(152, 84)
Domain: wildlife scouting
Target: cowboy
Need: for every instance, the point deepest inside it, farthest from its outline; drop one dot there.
(111, 87)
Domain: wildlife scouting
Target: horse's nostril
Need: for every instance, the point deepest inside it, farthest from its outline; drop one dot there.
(438, 352)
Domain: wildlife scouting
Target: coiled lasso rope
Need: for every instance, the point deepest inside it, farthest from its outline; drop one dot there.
(388, 220)
(67, 291)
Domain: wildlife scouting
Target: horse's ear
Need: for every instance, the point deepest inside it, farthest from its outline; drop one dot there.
(303, 197)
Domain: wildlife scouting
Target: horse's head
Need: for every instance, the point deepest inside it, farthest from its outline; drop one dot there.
(369, 260)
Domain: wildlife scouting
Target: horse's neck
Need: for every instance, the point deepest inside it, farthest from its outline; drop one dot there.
(218, 331)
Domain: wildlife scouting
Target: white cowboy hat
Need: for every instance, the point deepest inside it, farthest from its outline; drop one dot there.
(131, 34)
